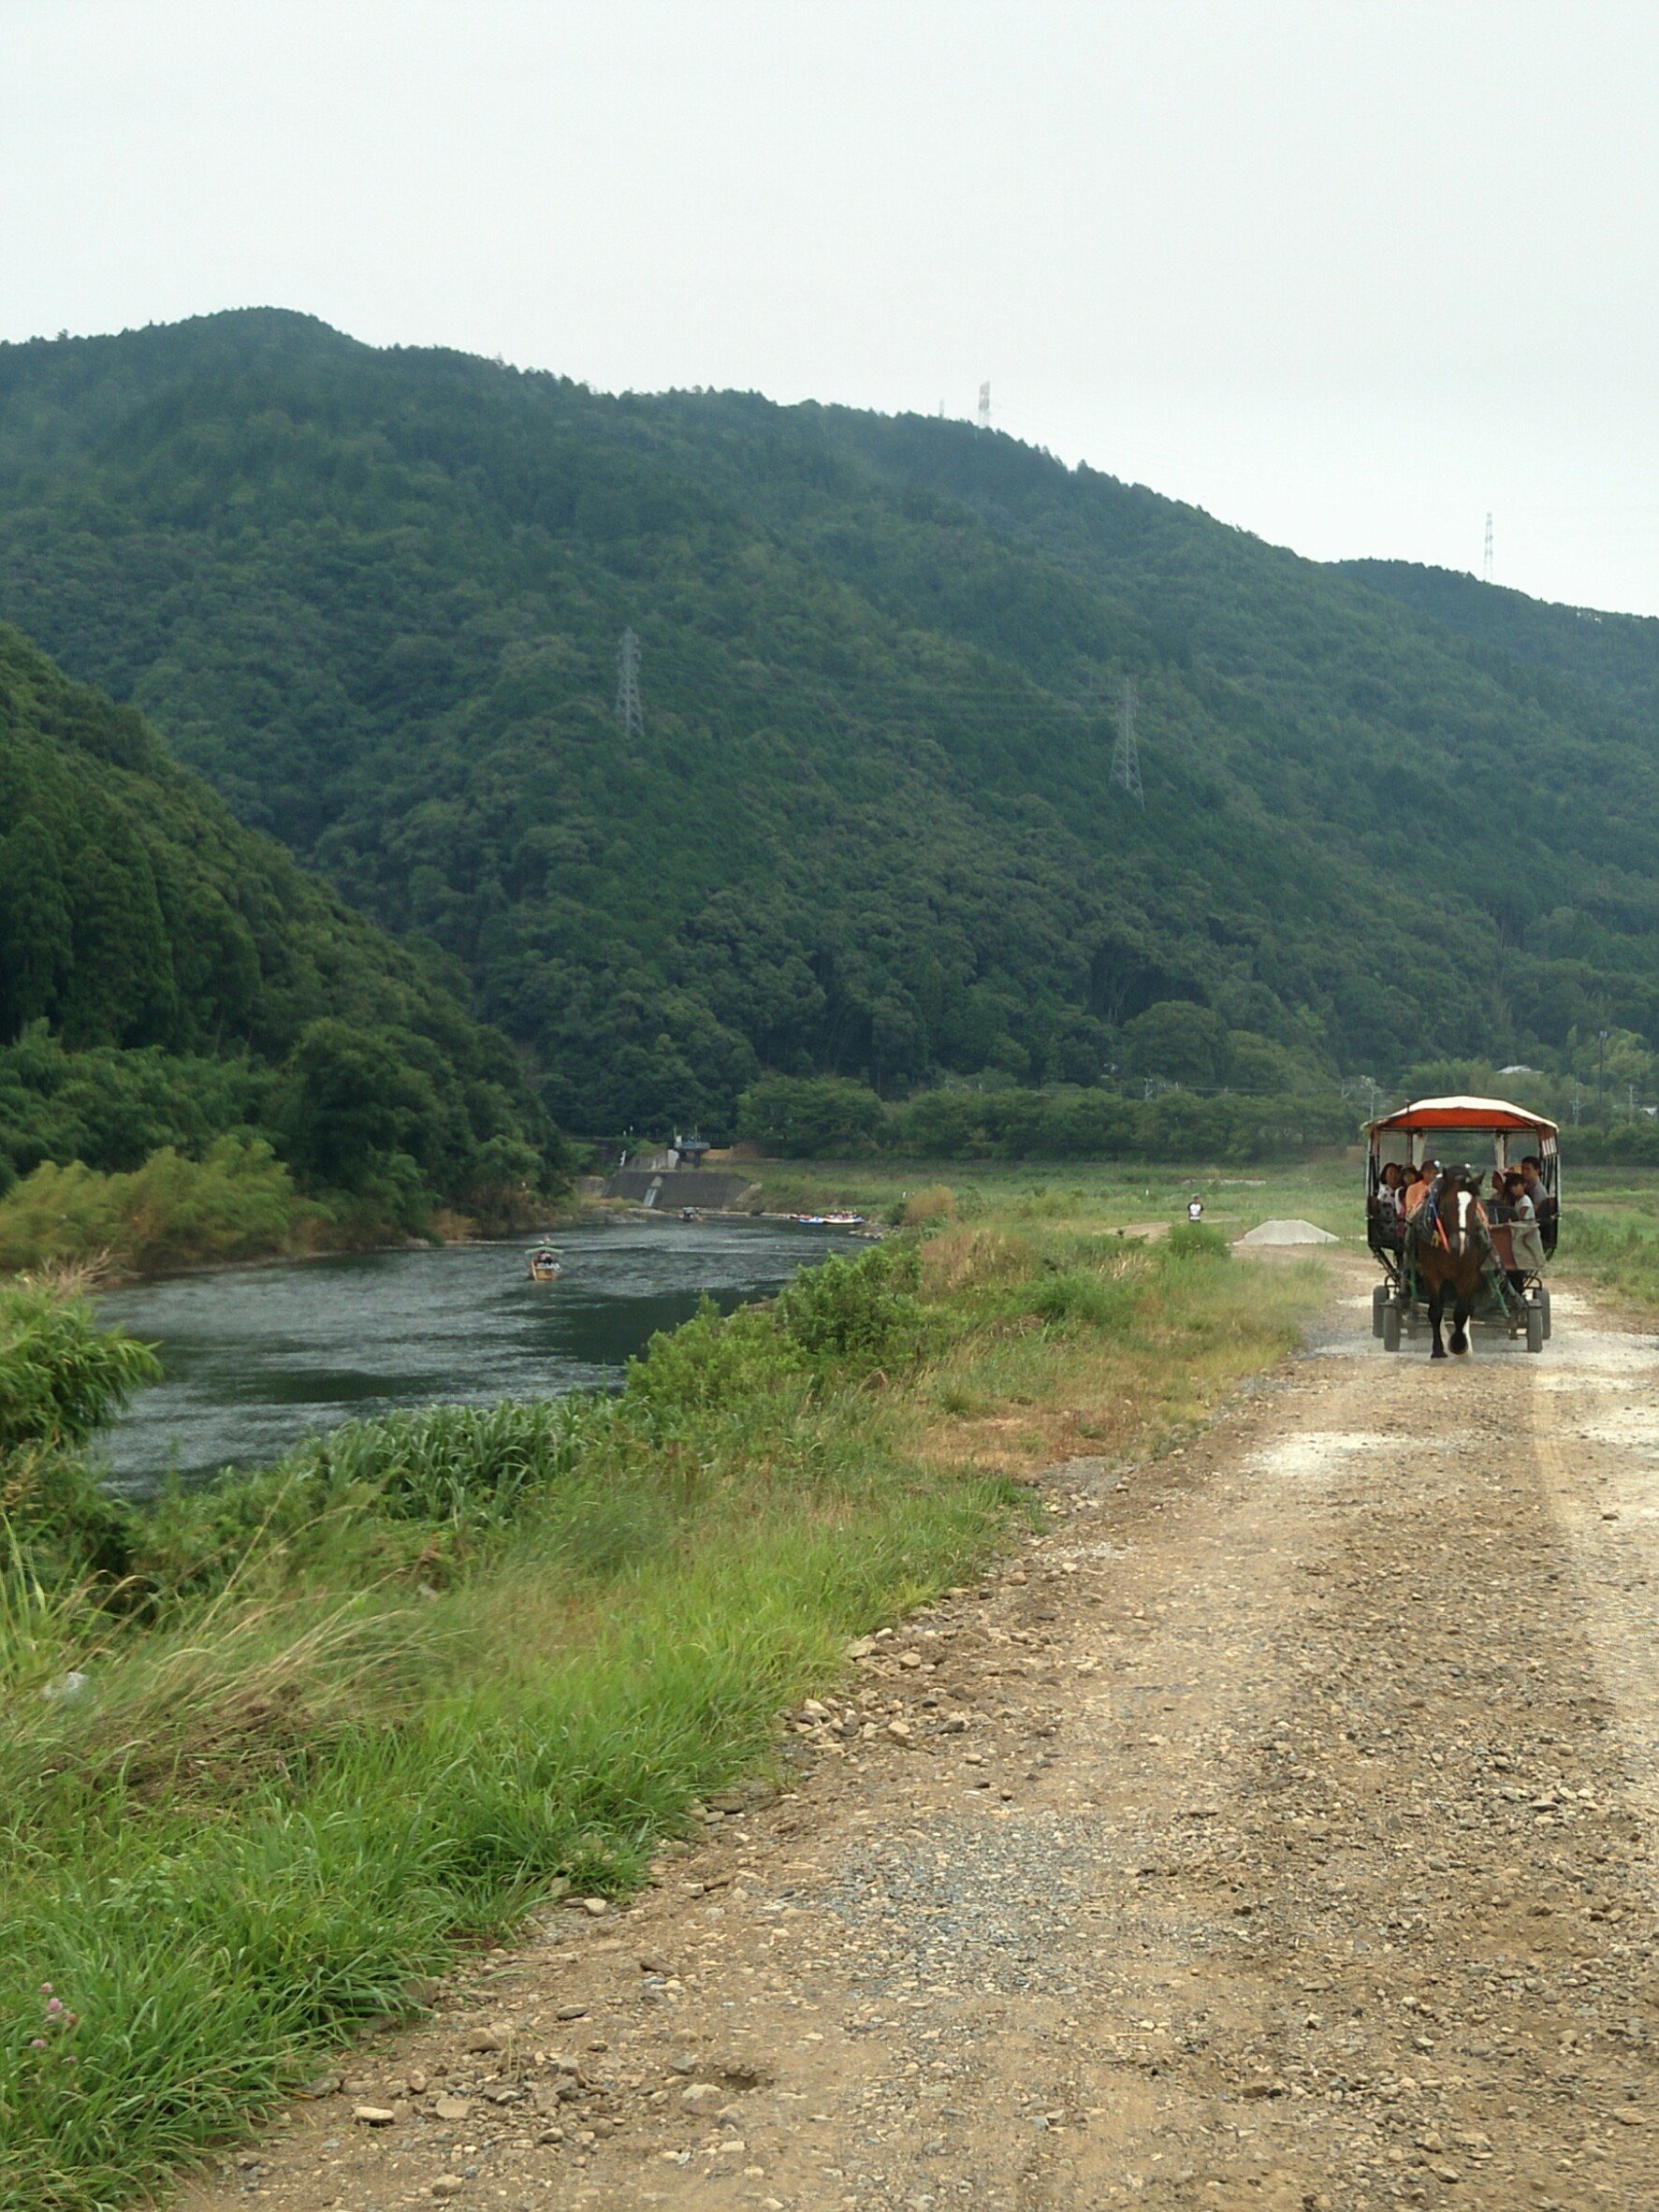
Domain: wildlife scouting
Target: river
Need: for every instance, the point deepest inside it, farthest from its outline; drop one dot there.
(258, 1357)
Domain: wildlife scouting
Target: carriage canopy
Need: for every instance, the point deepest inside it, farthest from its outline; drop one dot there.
(1481, 1131)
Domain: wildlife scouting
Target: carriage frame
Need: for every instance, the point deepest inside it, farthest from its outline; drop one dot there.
(1484, 1133)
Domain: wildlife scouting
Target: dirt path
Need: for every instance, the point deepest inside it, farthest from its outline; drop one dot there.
(1275, 1836)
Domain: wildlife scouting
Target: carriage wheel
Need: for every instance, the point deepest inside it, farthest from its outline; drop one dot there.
(1379, 1298)
(1390, 1326)
(1544, 1309)
(1534, 1327)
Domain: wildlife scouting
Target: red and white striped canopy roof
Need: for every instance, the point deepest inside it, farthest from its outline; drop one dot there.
(1463, 1114)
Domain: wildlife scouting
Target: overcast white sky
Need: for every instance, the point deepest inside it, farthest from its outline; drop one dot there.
(1349, 273)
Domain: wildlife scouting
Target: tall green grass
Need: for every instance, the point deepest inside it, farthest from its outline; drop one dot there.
(1619, 1253)
(337, 1716)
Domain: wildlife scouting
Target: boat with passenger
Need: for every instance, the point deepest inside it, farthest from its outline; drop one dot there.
(545, 1264)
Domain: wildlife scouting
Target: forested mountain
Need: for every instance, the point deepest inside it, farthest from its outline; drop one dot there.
(870, 826)
(168, 976)
(1615, 656)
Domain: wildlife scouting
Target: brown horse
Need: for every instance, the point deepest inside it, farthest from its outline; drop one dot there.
(1450, 1248)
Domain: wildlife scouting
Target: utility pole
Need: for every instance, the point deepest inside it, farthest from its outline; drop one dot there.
(1486, 571)
(984, 407)
(1601, 1077)
(1126, 756)
(629, 712)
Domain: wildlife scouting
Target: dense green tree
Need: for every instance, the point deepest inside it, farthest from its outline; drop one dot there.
(1178, 1042)
(350, 1101)
(36, 943)
(120, 985)
(166, 978)
(822, 1117)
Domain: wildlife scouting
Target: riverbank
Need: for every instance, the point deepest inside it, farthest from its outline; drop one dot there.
(340, 1718)
(261, 1357)
(176, 1214)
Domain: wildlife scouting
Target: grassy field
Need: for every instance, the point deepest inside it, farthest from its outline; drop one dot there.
(1609, 1235)
(271, 1751)
(1127, 1195)
(1611, 1231)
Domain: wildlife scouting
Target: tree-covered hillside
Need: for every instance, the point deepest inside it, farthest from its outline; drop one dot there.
(168, 976)
(869, 828)
(1613, 655)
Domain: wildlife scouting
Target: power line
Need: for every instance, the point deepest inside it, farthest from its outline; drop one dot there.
(630, 713)
(1125, 754)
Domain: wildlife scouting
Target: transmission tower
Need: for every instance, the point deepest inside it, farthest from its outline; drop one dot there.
(1486, 571)
(984, 407)
(1125, 757)
(629, 712)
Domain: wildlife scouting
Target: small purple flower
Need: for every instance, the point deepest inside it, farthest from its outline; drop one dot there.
(37, 2043)
(56, 2006)
(45, 1988)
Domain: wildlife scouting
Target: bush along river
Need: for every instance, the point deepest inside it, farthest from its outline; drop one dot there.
(257, 1358)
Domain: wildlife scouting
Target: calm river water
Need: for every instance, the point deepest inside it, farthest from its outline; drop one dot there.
(258, 1357)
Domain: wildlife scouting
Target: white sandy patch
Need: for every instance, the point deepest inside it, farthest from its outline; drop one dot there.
(1318, 1454)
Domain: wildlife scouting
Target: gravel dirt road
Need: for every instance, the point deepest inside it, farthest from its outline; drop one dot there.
(1275, 1833)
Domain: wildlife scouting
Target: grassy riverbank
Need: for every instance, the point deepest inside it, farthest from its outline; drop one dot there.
(340, 1717)
(237, 1201)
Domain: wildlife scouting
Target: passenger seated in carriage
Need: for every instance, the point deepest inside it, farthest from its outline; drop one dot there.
(1390, 1203)
(1415, 1195)
(1532, 1174)
(1526, 1238)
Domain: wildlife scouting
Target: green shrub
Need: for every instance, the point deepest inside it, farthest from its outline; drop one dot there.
(860, 1312)
(61, 1378)
(60, 1375)
(1195, 1239)
(708, 1365)
(234, 1202)
(1075, 1295)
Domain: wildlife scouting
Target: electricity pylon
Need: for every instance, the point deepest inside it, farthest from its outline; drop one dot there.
(629, 712)
(1126, 756)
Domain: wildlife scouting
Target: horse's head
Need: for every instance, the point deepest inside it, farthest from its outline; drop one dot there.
(1457, 1205)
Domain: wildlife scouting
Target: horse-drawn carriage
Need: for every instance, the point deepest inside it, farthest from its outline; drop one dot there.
(1449, 1247)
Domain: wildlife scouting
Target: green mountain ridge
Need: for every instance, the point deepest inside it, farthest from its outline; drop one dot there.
(167, 975)
(871, 829)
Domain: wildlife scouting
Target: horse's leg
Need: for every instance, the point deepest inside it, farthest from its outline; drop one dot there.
(1437, 1307)
(1459, 1320)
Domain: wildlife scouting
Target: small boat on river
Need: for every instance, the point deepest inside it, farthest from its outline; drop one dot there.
(545, 1264)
